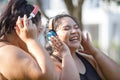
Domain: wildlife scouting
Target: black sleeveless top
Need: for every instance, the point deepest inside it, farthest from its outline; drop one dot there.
(90, 73)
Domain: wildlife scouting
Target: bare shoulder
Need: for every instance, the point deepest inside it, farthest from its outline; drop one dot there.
(11, 52)
(89, 58)
(86, 56)
(15, 61)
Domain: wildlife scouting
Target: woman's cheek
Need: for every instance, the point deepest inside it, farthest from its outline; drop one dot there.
(62, 36)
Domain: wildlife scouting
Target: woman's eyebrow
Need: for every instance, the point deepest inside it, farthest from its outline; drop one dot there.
(66, 25)
(75, 25)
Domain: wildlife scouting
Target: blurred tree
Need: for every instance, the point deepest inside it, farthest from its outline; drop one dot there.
(41, 8)
(109, 1)
(74, 10)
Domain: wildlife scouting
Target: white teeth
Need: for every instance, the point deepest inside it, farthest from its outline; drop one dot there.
(74, 38)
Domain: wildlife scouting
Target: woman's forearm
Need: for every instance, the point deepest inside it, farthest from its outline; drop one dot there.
(109, 68)
(69, 69)
(43, 59)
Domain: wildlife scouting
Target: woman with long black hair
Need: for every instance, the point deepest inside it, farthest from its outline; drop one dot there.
(22, 57)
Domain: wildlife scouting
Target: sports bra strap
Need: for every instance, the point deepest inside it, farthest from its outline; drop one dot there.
(90, 73)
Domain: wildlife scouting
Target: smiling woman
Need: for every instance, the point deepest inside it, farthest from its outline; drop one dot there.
(72, 63)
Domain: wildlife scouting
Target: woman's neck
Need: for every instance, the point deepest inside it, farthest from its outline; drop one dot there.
(72, 50)
(13, 39)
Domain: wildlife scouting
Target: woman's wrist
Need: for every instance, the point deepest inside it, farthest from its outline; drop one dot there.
(31, 44)
(60, 56)
(64, 55)
(95, 52)
(31, 41)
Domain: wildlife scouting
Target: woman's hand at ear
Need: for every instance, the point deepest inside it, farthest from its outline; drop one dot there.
(25, 29)
(87, 45)
(59, 46)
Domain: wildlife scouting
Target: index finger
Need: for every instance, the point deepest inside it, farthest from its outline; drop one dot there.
(83, 37)
(25, 21)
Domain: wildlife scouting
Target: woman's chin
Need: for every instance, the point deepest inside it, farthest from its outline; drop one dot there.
(75, 46)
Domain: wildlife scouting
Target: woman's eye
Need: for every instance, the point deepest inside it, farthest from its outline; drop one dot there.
(66, 28)
(76, 27)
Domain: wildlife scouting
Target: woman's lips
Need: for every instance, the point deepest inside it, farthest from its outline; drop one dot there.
(74, 38)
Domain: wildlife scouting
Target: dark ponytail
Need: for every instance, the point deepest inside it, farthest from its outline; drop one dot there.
(14, 9)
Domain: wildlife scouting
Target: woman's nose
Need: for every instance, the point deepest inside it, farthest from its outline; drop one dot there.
(73, 30)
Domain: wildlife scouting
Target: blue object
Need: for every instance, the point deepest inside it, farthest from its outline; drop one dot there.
(51, 33)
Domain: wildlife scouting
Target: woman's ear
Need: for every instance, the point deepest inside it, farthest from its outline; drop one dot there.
(17, 25)
(50, 24)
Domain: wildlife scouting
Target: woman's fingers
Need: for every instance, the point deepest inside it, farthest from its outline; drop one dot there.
(56, 43)
(25, 22)
(22, 22)
(88, 37)
(83, 37)
(19, 23)
(25, 29)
